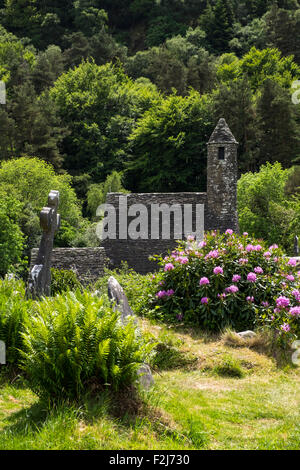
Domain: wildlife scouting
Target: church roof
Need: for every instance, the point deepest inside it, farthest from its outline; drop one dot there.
(222, 134)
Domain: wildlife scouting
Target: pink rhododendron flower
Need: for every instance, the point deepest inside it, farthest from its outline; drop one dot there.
(296, 294)
(161, 294)
(183, 260)
(250, 299)
(202, 244)
(213, 254)
(282, 302)
(204, 300)
(232, 289)
(250, 248)
(222, 296)
(292, 262)
(204, 281)
(273, 247)
(258, 270)
(229, 231)
(245, 234)
(191, 238)
(290, 278)
(218, 270)
(295, 311)
(258, 248)
(170, 292)
(265, 304)
(169, 267)
(267, 254)
(236, 278)
(285, 327)
(251, 277)
(243, 261)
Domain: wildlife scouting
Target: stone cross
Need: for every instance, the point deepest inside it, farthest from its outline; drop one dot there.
(39, 282)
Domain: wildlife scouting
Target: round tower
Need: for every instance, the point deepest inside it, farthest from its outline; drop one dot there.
(222, 178)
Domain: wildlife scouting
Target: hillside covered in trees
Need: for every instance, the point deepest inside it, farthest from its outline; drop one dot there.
(123, 95)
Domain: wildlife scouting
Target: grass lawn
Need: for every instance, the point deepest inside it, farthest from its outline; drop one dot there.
(196, 404)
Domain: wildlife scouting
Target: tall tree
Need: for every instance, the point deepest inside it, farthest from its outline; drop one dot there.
(280, 138)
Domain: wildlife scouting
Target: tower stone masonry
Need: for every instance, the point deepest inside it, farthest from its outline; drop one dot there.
(222, 174)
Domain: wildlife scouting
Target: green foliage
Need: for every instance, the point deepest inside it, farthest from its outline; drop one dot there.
(63, 280)
(97, 192)
(258, 66)
(227, 281)
(75, 344)
(14, 312)
(11, 237)
(264, 207)
(168, 146)
(31, 180)
(100, 106)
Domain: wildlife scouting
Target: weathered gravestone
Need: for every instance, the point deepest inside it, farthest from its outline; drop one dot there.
(39, 282)
(120, 302)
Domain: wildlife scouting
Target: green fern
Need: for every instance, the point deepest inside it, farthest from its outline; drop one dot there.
(75, 340)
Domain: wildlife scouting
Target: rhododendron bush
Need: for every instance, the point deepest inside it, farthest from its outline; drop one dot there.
(229, 280)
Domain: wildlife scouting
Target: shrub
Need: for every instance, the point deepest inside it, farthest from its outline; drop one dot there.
(228, 281)
(76, 344)
(11, 237)
(63, 280)
(14, 310)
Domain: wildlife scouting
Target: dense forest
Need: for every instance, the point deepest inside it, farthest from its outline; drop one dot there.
(123, 95)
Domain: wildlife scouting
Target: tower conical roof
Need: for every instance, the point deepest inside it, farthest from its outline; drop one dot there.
(222, 134)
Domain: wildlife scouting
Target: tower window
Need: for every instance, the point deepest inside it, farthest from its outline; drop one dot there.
(221, 153)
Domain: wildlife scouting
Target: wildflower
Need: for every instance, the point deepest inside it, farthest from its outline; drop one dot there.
(232, 289)
(169, 267)
(282, 302)
(285, 327)
(218, 270)
(204, 281)
(251, 277)
(295, 311)
(204, 300)
(236, 278)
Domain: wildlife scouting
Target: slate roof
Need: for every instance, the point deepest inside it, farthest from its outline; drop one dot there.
(222, 134)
